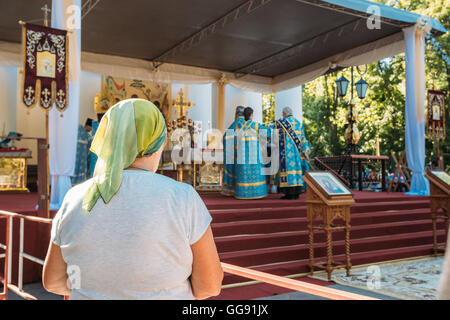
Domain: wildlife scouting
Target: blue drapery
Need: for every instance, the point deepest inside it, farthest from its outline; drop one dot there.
(415, 110)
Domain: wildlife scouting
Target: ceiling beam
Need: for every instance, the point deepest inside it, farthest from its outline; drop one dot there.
(329, 6)
(280, 56)
(87, 7)
(242, 10)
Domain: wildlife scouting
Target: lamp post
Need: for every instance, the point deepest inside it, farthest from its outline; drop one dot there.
(361, 89)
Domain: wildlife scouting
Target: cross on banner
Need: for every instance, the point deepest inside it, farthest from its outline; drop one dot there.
(182, 104)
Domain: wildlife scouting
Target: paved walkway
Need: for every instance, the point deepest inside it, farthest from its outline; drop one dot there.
(37, 290)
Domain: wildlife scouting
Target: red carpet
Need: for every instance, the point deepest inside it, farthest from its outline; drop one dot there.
(271, 234)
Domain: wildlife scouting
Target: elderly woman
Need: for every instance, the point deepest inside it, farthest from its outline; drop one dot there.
(129, 233)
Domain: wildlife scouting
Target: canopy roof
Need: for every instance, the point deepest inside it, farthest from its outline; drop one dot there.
(279, 42)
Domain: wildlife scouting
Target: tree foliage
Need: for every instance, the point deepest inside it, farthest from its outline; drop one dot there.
(381, 115)
(268, 108)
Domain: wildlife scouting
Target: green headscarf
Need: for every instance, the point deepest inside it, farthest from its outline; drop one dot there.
(130, 129)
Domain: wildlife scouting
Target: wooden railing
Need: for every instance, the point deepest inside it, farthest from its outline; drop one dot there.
(292, 284)
(7, 283)
(323, 165)
(284, 282)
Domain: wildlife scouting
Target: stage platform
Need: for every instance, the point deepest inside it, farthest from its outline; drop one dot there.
(271, 234)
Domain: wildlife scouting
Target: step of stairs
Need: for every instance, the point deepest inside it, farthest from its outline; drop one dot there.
(271, 235)
(302, 266)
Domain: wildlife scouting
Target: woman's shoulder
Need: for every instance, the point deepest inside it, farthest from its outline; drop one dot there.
(181, 186)
(79, 190)
(155, 180)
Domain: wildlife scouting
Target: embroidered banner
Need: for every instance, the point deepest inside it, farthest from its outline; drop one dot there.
(436, 115)
(45, 67)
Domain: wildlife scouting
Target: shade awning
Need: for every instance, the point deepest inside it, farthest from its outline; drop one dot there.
(260, 45)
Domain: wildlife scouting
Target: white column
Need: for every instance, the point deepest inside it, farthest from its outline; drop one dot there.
(254, 101)
(8, 99)
(66, 14)
(201, 96)
(201, 112)
(90, 85)
(289, 98)
(236, 97)
(415, 109)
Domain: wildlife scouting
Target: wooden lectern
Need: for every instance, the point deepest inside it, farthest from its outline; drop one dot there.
(439, 200)
(328, 199)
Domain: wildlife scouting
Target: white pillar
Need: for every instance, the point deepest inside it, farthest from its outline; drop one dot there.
(66, 14)
(289, 98)
(90, 85)
(415, 109)
(201, 96)
(8, 99)
(201, 112)
(254, 101)
(236, 97)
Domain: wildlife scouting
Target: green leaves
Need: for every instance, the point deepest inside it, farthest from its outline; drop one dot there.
(382, 112)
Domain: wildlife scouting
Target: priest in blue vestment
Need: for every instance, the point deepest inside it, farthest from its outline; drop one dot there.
(229, 153)
(249, 170)
(294, 156)
(82, 164)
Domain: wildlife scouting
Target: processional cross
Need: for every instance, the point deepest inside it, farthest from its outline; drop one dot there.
(182, 104)
(46, 11)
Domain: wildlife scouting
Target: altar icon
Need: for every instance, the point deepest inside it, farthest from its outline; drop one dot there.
(327, 182)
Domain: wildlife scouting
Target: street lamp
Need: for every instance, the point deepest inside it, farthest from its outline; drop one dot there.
(342, 86)
(352, 134)
(361, 88)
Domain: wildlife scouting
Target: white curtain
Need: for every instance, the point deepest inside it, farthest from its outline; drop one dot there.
(63, 130)
(415, 109)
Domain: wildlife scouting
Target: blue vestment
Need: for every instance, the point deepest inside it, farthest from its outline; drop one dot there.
(229, 158)
(94, 157)
(82, 172)
(249, 169)
(293, 163)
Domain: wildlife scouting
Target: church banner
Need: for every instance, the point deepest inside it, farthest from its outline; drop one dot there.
(117, 89)
(435, 115)
(45, 67)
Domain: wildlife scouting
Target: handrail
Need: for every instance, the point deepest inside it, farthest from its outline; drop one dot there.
(7, 256)
(292, 284)
(320, 162)
(7, 285)
(26, 217)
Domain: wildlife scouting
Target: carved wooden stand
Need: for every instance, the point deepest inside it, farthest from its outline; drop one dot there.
(439, 199)
(327, 208)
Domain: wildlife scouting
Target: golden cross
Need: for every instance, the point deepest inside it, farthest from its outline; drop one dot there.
(182, 104)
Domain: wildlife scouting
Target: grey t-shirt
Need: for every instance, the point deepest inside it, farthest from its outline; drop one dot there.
(135, 247)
